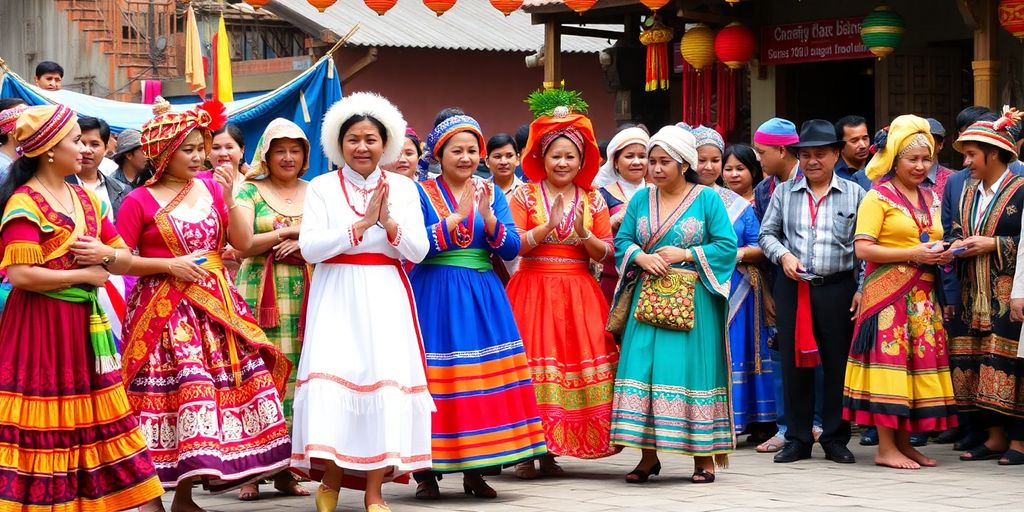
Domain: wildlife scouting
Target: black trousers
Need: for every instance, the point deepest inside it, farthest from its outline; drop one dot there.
(830, 313)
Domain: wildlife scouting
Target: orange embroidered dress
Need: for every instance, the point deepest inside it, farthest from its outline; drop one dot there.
(561, 314)
(202, 377)
(68, 438)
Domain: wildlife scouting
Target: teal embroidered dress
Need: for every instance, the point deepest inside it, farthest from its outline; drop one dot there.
(673, 388)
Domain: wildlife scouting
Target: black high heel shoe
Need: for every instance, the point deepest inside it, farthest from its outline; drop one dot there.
(639, 476)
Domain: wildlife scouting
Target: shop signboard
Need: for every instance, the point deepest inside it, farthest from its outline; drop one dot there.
(813, 41)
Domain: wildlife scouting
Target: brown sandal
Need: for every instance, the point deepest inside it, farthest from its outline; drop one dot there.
(526, 470)
(288, 485)
(548, 467)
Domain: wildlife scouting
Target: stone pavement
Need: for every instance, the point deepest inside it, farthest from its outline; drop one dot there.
(751, 483)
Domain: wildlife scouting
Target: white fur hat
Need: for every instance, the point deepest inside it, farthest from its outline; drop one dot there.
(366, 104)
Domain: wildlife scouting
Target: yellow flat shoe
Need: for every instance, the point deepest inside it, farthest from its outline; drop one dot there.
(378, 508)
(326, 499)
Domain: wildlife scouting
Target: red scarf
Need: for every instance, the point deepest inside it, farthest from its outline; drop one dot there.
(806, 343)
(267, 312)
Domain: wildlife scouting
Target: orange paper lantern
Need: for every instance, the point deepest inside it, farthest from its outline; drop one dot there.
(257, 4)
(580, 6)
(439, 6)
(380, 6)
(507, 6)
(654, 5)
(698, 46)
(1011, 16)
(321, 5)
(735, 45)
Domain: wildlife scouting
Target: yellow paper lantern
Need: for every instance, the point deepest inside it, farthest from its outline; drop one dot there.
(698, 46)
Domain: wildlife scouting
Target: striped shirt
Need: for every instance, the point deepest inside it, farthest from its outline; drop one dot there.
(825, 246)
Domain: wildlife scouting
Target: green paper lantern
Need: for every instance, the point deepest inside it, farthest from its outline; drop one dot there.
(882, 31)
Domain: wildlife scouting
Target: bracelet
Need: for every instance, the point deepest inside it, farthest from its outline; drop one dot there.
(606, 249)
(588, 237)
(109, 260)
(529, 239)
(233, 206)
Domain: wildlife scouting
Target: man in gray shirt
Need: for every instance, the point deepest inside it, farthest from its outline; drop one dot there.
(808, 230)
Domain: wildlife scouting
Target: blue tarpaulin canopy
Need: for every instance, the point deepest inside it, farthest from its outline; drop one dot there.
(304, 100)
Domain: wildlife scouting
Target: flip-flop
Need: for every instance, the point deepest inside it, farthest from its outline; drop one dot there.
(981, 452)
(772, 445)
(1012, 458)
(706, 476)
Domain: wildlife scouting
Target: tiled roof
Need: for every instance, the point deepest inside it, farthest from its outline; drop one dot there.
(469, 25)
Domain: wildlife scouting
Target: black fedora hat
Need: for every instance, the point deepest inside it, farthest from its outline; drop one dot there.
(816, 133)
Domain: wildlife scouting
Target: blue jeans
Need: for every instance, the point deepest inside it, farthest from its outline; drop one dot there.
(780, 406)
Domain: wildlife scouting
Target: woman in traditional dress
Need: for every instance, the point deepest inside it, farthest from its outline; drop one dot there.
(741, 170)
(362, 407)
(558, 306)
(985, 353)
(273, 277)
(672, 388)
(202, 377)
(753, 393)
(71, 441)
(626, 168)
(897, 377)
(228, 148)
(502, 159)
(476, 367)
(408, 160)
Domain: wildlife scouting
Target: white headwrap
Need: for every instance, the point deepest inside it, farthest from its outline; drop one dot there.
(634, 135)
(680, 144)
(366, 104)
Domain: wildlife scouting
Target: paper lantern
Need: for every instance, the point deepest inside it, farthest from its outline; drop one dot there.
(507, 6)
(1011, 17)
(654, 5)
(439, 6)
(257, 4)
(380, 6)
(321, 5)
(698, 46)
(882, 31)
(580, 6)
(735, 45)
(656, 39)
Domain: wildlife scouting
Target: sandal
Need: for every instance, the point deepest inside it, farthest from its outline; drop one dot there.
(288, 485)
(249, 492)
(548, 467)
(981, 452)
(526, 470)
(639, 476)
(428, 490)
(706, 477)
(772, 445)
(1012, 458)
(759, 437)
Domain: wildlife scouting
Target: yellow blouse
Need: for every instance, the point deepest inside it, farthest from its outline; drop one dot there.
(891, 225)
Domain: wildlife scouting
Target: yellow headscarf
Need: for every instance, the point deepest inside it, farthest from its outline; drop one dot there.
(904, 131)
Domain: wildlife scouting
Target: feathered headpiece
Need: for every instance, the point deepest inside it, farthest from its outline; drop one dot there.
(164, 134)
(363, 104)
(559, 114)
(1001, 133)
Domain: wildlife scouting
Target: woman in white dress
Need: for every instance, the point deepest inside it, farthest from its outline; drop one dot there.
(362, 409)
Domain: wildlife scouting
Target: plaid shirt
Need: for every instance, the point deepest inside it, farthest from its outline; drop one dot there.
(824, 247)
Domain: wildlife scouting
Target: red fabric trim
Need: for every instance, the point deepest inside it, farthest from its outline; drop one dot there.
(806, 343)
(369, 388)
(366, 258)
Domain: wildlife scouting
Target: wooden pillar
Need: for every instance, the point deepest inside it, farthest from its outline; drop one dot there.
(552, 54)
(985, 66)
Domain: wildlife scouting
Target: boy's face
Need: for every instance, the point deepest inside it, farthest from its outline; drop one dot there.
(49, 81)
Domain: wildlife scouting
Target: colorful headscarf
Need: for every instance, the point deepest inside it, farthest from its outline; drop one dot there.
(437, 137)
(776, 132)
(165, 133)
(677, 142)
(1000, 133)
(558, 113)
(279, 128)
(906, 132)
(626, 137)
(705, 136)
(9, 118)
(39, 129)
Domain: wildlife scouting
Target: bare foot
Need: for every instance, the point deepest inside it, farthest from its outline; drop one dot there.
(918, 457)
(895, 459)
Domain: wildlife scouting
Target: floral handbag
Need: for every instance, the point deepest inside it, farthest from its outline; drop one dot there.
(667, 301)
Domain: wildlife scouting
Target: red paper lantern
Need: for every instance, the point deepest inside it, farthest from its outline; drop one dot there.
(380, 6)
(507, 6)
(580, 6)
(439, 6)
(257, 4)
(1011, 16)
(735, 45)
(654, 5)
(321, 5)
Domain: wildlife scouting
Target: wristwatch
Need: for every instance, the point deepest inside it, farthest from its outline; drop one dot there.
(107, 260)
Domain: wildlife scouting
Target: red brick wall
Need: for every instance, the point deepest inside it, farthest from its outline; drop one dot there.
(490, 86)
